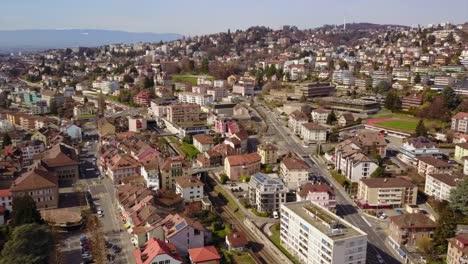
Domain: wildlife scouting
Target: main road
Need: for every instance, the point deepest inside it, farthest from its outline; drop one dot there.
(345, 206)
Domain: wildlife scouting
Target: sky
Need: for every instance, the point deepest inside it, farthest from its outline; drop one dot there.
(194, 17)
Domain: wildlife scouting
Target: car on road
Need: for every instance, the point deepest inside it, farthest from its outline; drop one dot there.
(275, 214)
(116, 249)
(380, 259)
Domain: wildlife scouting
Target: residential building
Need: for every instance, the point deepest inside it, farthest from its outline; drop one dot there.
(313, 133)
(236, 240)
(319, 193)
(204, 255)
(195, 98)
(296, 120)
(268, 153)
(39, 183)
(137, 124)
(294, 171)
(29, 149)
(407, 229)
(190, 188)
(244, 90)
(157, 251)
(457, 252)
(150, 173)
(178, 113)
(203, 142)
(73, 131)
(412, 100)
(431, 165)
(383, 193)
(313, 234)
(416, 147)
(460, 123)
(246, 164)
(107, 87)
(6, 199)
(143, 98)
(346, 119)
(171, 168)
(105, 127)
(184, 233)
(63, 161)
(266, 194)
(357, 106)
(121, 167)
(439, 185)
(461, 150)
(320, 115)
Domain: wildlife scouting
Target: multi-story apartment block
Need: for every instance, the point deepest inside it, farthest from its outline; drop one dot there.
(315, 235)
(121, 167)
(313, 133)
(244, 90)
(457, 252)
(195, 98)
(247, 164)
(294, 171)
(179, 113)
(268, 153)
(296, 120)
(320, 115)
(416, 147)
(408, 229)
(460, 123)
(266, 194)
(439, 185)
(386, 193)
(431, 165)
(190, 188)
(171, 168)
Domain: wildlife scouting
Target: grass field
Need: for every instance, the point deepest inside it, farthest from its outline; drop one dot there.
(189, 150)
(189, 78)
(242, 258)
(406, 125)
(429, 123)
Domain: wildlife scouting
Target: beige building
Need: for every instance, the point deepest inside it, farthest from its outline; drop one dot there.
(294, 171)
(171, 168)
(268, 153)
(63, 160)
(246, 164)
(386, 193)
(431, 165)
(408, 229)
(40, 184)
(313, 133)
(457, 252)
(180, 113)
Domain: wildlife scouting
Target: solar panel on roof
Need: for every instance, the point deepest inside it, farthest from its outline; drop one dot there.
(180, 226)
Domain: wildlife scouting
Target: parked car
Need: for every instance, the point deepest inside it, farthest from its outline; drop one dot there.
(116, 249)
(275, 214)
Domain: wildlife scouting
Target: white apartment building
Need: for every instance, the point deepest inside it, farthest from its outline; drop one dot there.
(296, 120)
(416, 147)
(195, 98)
(440, 185)
(318, 193)
(382, 193)
(266, 194)
(244, 90)
(107, 87)
(315, 235)
(313, 133)
(460, 123)
(190, 188)
(320, 115)
(443, 81)
(294, 171)
(150, 173)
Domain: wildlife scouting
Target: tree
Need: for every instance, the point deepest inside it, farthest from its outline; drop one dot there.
(331, 118)
(458, 197)
(148, 82)
(188, 139)
(446, 225)
(417, 78)
(25, 211)
(223, 178)
(343, 65)
(381, 87)
(205, 65)
(30, 243)
(6, 140)
(452, 100)
(421, 130)
(85, 99)
(128, 79)
(378, 173)
(53, 108)
(424, 245)
(268, 169)
(393, 102)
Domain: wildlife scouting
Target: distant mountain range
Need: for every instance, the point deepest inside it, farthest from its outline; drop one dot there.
(35, 40)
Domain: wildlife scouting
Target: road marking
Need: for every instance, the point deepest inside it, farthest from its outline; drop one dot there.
(365, 220)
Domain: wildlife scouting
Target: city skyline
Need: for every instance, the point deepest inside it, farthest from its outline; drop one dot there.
(217, 16)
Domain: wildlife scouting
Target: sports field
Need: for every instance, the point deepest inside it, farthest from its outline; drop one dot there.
(401, 124)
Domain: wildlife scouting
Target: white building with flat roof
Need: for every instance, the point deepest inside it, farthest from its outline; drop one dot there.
(315, 235)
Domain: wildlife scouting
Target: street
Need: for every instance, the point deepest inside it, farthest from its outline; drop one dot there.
(345, 206)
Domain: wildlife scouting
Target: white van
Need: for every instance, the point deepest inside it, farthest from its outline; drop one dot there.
(275, 214)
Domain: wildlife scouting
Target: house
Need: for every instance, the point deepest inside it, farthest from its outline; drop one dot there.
(408, 229)
(121, 166)
(137, 124)
(203, 142)
(313, 133)
(346, 119)
(39, 183)
(352, 162)
(171, 168)
(184, 233)
(190, 188)
(268, 153)
(63, 161)
(412, 100)
(6, 199)
(320, 115)
(157, 251)
(143, 98)
(236, 240)
(294, 171)
(319, 193)
(204, 255)
(209, 159)
(105, 127)
(150, 172)
(296, 120)
(386, 193)
(246, 164)
(439, 185)
(415, 147)
(244, 90)
(461, 150)
(431, 165)
(73, 131)
(266, 194)
(457, 252)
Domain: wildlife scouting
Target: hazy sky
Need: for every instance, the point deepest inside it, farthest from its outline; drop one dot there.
(191, 17)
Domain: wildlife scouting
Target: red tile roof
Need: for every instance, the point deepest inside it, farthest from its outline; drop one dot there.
(460, 115)
(236, 239)
(154, 248)
(203, 254)
(243, 159)
(5, 193)
(36, 178)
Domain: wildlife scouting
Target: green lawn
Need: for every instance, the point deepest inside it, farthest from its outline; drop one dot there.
(275, 238)
(189, 150)
(405, 125)
(340, 178)
(429, 123)
(189, 78)
(242, 258)
(230, 201)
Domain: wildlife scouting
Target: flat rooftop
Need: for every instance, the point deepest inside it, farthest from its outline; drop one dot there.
(350, 101)
(325, 221)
